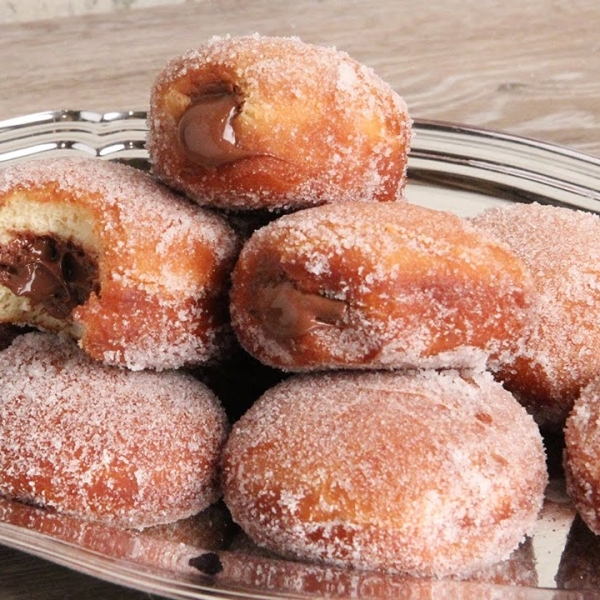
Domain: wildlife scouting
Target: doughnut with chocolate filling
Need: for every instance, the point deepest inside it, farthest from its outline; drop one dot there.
(559, 354)
(103, 252)
(274, 123)
(133, 448)
(376, 285)
(420, 472)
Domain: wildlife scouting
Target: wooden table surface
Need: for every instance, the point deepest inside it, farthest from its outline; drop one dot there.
(529, 68)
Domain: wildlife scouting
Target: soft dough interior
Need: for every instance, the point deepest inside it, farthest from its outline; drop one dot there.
(23, 215)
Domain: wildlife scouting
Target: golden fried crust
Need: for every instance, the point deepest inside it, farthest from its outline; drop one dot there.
(99, 442)
(559, 356)
(376, 285)
(310, 125)
(425, 473)
(158, 265)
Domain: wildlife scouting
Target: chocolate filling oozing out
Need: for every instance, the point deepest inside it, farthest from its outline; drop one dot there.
(55, 274)
(288, 312)
(206, 131)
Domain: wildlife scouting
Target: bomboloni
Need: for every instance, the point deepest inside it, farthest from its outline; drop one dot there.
(426, 473)
(133, 448)
(376, 285)
(103, 252)
(559, 354)
(257, 122)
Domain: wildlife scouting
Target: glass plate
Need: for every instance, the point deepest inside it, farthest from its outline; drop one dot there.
(451, 167)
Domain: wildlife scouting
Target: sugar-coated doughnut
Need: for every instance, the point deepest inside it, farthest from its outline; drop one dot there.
(271, 122)
(376, 285)
(133, 448)
(559, 356)
(426, 473)
(103, 252)
(582, 455)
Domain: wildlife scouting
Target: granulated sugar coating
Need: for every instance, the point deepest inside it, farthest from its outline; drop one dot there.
(272, 122)
(582, 455)
(372, 285)
(130, 448)
(159, 264)
(561, 249)
(426, 473)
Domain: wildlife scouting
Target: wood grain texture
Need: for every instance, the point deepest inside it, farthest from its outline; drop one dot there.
(530, 68)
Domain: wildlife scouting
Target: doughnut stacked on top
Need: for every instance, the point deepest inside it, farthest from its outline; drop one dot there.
(558, 356)
(389, 445)
(269, 122)
(104, 253)
(370, 285)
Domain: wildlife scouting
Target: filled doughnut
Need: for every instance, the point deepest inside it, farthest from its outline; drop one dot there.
(559, 356)
(582, 454)
(103, 252)
(425, 473)
(132, 448)
(366, 285)
(259, 122)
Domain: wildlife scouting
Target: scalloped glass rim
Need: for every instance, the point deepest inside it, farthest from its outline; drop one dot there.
(451, 166)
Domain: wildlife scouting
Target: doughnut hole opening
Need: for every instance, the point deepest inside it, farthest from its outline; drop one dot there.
(286, 311)
(206, 127)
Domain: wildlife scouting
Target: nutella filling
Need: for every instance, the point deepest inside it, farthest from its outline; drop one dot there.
(53, 273)
(288, 312)
(206, 131)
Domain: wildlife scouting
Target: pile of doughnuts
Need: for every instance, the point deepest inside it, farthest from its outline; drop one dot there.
(404, 358)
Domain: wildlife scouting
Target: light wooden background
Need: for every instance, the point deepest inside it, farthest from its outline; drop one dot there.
(531, 68)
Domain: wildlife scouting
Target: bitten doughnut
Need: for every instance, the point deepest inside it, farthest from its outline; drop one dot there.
(133, 448)
(366, 285)
(271, 122)
(103, 252)
(582, 455)
(426, 473)
(561, 249)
